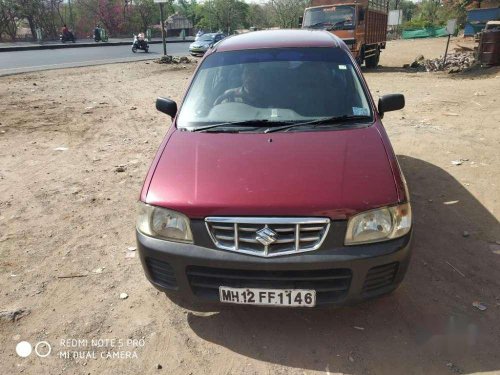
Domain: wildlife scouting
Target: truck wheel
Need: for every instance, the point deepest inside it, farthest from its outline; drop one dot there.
(372, 61)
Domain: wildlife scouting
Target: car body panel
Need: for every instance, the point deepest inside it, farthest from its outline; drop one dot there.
(321, 173)
(279, 39)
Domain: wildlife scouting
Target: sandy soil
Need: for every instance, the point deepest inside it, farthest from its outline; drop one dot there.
(70, 213)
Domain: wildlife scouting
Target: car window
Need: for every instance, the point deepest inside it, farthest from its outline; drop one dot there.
(330, 18)
(294, 84)
(207, 37)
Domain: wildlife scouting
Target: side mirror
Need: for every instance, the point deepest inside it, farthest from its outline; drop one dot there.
(361, 15)
(301, 18)
(166, 106)
(391, 102)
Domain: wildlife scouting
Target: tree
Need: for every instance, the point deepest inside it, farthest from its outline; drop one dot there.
(259, 16)
(287, 12)
(225, 15)
(9, 18)
(191, 10)
(147, 12)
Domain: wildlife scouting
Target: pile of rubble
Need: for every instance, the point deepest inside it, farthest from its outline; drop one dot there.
(173, 60)
(455, 62)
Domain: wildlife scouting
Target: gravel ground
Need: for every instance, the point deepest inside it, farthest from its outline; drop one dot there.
(75, 145)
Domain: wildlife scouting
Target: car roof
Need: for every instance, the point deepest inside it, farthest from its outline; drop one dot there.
(279, 39)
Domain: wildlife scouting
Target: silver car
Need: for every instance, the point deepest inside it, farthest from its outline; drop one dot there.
(204, 42)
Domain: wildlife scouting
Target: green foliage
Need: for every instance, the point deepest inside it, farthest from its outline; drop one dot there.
(286, 13)
(224, 15)
(431, 13)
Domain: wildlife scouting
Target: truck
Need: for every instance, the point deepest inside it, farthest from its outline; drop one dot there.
(361, 24)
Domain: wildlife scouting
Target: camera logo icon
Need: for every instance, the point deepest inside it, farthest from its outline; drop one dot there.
(42, 349)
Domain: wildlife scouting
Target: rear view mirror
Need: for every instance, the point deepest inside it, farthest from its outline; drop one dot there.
(166, 106)
(391, 102)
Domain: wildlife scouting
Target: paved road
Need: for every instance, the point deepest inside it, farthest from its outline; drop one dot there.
(29, 61)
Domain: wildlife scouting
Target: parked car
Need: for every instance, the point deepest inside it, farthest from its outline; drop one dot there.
(204, 42)
(276, 184)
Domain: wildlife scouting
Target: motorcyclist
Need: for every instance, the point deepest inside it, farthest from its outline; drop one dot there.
(66, 34)
(141, 39)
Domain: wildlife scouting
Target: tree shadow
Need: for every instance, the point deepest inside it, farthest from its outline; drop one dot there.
(427, 326)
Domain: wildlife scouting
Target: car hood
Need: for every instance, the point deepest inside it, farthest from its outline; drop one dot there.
(200, 43)
(322, 173)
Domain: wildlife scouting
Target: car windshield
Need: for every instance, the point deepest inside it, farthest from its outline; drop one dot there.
(330, 18)
(207, 37)
(274, 87)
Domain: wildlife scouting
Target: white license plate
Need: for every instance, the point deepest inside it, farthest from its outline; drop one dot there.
(269, 297)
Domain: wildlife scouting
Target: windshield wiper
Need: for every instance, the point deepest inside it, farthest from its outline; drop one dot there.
(314, 25)
(230, 124)
(319, 121)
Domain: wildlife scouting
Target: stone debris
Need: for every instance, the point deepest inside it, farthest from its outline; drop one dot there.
(455, 63)
(123, 295)
(173, 60)
(13, 315)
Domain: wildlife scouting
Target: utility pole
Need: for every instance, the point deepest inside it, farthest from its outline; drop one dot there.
(162, 22)
(71, 24)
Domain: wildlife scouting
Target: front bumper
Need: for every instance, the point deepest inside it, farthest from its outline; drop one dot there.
(198, 50)
(340, 275)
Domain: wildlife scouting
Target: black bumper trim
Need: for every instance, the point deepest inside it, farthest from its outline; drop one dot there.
(364, 263)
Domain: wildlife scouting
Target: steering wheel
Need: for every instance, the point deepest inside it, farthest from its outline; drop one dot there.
(227, 97)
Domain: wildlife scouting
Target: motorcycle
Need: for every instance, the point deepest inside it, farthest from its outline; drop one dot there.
(140, 43)
(68, 37)
(100, 35)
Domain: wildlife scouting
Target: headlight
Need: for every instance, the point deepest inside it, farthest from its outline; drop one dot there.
(379, 225)
(162, 223)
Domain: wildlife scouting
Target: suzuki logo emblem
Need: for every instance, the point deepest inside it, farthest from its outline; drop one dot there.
(266, 236)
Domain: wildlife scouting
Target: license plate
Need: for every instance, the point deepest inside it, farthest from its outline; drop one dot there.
(268, 297)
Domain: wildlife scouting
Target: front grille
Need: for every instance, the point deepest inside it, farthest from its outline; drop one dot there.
(380, 277)
(267, 237)
(162, 273)
(331, 285)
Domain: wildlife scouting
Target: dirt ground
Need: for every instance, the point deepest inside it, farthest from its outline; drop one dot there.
(66, 211)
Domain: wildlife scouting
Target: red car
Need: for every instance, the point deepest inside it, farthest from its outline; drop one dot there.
(276, 184)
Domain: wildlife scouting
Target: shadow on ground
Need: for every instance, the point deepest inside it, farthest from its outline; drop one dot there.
(427, 326)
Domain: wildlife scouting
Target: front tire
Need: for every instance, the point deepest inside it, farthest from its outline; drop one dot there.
(372, 61)
(134, 49)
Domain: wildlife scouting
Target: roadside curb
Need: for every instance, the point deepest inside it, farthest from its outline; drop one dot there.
(80, 45)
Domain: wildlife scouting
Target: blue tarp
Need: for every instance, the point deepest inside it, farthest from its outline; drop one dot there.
(483, 15)
(477, 18)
